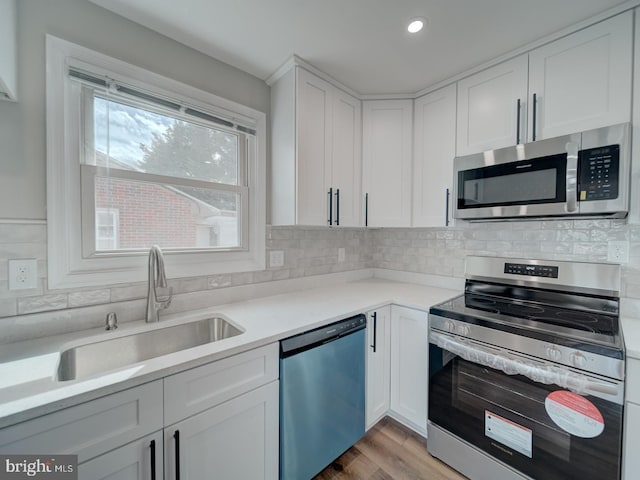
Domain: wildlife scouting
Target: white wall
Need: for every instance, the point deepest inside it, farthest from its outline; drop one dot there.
(22, 124)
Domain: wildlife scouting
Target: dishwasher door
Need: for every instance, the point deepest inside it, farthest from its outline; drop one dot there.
(322, 404)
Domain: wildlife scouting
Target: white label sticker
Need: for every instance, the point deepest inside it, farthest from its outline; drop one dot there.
(508, 433)
(574, 414)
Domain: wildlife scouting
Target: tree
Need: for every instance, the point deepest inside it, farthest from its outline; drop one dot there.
(188, 150)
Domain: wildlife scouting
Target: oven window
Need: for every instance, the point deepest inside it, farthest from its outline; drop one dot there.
(542, 180)
(464, 395)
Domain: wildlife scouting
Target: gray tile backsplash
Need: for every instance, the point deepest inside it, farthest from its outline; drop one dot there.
(310, 251)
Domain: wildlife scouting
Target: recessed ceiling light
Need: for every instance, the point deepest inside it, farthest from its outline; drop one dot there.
(416, 24)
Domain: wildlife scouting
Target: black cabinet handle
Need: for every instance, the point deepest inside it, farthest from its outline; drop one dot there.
(535, 107)
(176, 437)
(518, 122)
(374, 315)
(330, 193)
(366, 209)
(446, 208)
(152, 446)
(337, 206)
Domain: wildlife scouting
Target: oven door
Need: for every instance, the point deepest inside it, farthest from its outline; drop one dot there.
(536, 179)
(522, 418)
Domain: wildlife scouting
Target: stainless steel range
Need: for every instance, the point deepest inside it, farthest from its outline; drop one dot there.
(526, 371)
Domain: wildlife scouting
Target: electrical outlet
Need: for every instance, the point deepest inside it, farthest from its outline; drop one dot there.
(23, 274)
(618, 252)
(276, 258)
(341, 255)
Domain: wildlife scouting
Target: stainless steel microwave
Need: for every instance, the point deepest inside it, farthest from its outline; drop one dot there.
(585, 173)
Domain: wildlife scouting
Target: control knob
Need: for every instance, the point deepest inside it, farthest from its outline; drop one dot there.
(578, 360)
(463, 330)
(451, 327)
(554, 354)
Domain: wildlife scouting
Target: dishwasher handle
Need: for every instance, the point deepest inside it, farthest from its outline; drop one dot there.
(312, 338)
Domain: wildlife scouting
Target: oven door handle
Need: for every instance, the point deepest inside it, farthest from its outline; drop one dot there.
(572, 177)
(540, 373)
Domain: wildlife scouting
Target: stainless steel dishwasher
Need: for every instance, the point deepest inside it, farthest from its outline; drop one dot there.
(322, 396)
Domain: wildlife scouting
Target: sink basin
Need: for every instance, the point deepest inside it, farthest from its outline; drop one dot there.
(92, 358)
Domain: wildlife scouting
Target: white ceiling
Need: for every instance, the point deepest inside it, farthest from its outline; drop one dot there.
(361, 43)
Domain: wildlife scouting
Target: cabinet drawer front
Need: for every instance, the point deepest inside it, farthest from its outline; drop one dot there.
(193, 391)
(89, 429)
(633, 380)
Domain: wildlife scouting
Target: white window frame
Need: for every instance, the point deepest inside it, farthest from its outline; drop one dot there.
(67, 268)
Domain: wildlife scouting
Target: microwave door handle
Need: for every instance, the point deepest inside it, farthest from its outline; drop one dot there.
(572, 177)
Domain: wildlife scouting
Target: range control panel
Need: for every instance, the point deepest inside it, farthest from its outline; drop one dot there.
(547, 271)
(598, 173)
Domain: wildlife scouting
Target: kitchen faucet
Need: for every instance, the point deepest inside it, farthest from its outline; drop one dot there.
(157, 279)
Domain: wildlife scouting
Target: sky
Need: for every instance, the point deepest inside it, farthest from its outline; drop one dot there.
(120, 129)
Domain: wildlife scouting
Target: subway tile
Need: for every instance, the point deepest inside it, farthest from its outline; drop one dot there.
(129, 292)
(42, 303)
(90, 297)
(219, 281)
(188, 285)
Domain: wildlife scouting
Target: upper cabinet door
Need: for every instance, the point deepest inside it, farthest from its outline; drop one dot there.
(313, 117)
(386, 152)
(434, 149)
(583, 81)
(346, 159)
(488, 113)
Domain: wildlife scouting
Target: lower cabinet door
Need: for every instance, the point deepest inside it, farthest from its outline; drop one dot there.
(409, 365)
(139, 460)
(237, 439)
(377, 400)
(630, 459)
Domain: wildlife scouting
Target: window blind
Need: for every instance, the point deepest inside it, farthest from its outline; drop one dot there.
(171, 104)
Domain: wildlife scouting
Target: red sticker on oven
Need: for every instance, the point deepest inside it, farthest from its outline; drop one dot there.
(574, 414)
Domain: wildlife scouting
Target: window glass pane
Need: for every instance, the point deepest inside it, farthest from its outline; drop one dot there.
(168, 215)
(133, 138)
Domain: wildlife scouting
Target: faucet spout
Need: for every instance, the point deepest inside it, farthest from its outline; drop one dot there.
(157, 280)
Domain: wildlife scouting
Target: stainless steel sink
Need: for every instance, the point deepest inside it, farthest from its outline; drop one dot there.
(91, 358)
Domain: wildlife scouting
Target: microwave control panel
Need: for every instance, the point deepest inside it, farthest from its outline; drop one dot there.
(598, 173)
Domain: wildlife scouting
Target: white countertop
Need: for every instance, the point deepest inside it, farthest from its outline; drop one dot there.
(28, 388)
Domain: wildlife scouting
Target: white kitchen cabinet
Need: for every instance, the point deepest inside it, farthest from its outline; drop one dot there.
(378, 364)
(8, 52)
(237, 439)
(434, 150)
(92, 428)
(226, 412)
(195, 390)
(409, 366)
(131, 462)
(580, 82)
(583, 81)
(226, 416)
(630, 458)
(316, 152)
(488, 114)
(386, 171)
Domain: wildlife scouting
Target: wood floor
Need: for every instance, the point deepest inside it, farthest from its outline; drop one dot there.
(389, 451)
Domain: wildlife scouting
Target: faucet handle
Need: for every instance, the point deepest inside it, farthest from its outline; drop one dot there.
(164, 295)
(111, 321)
